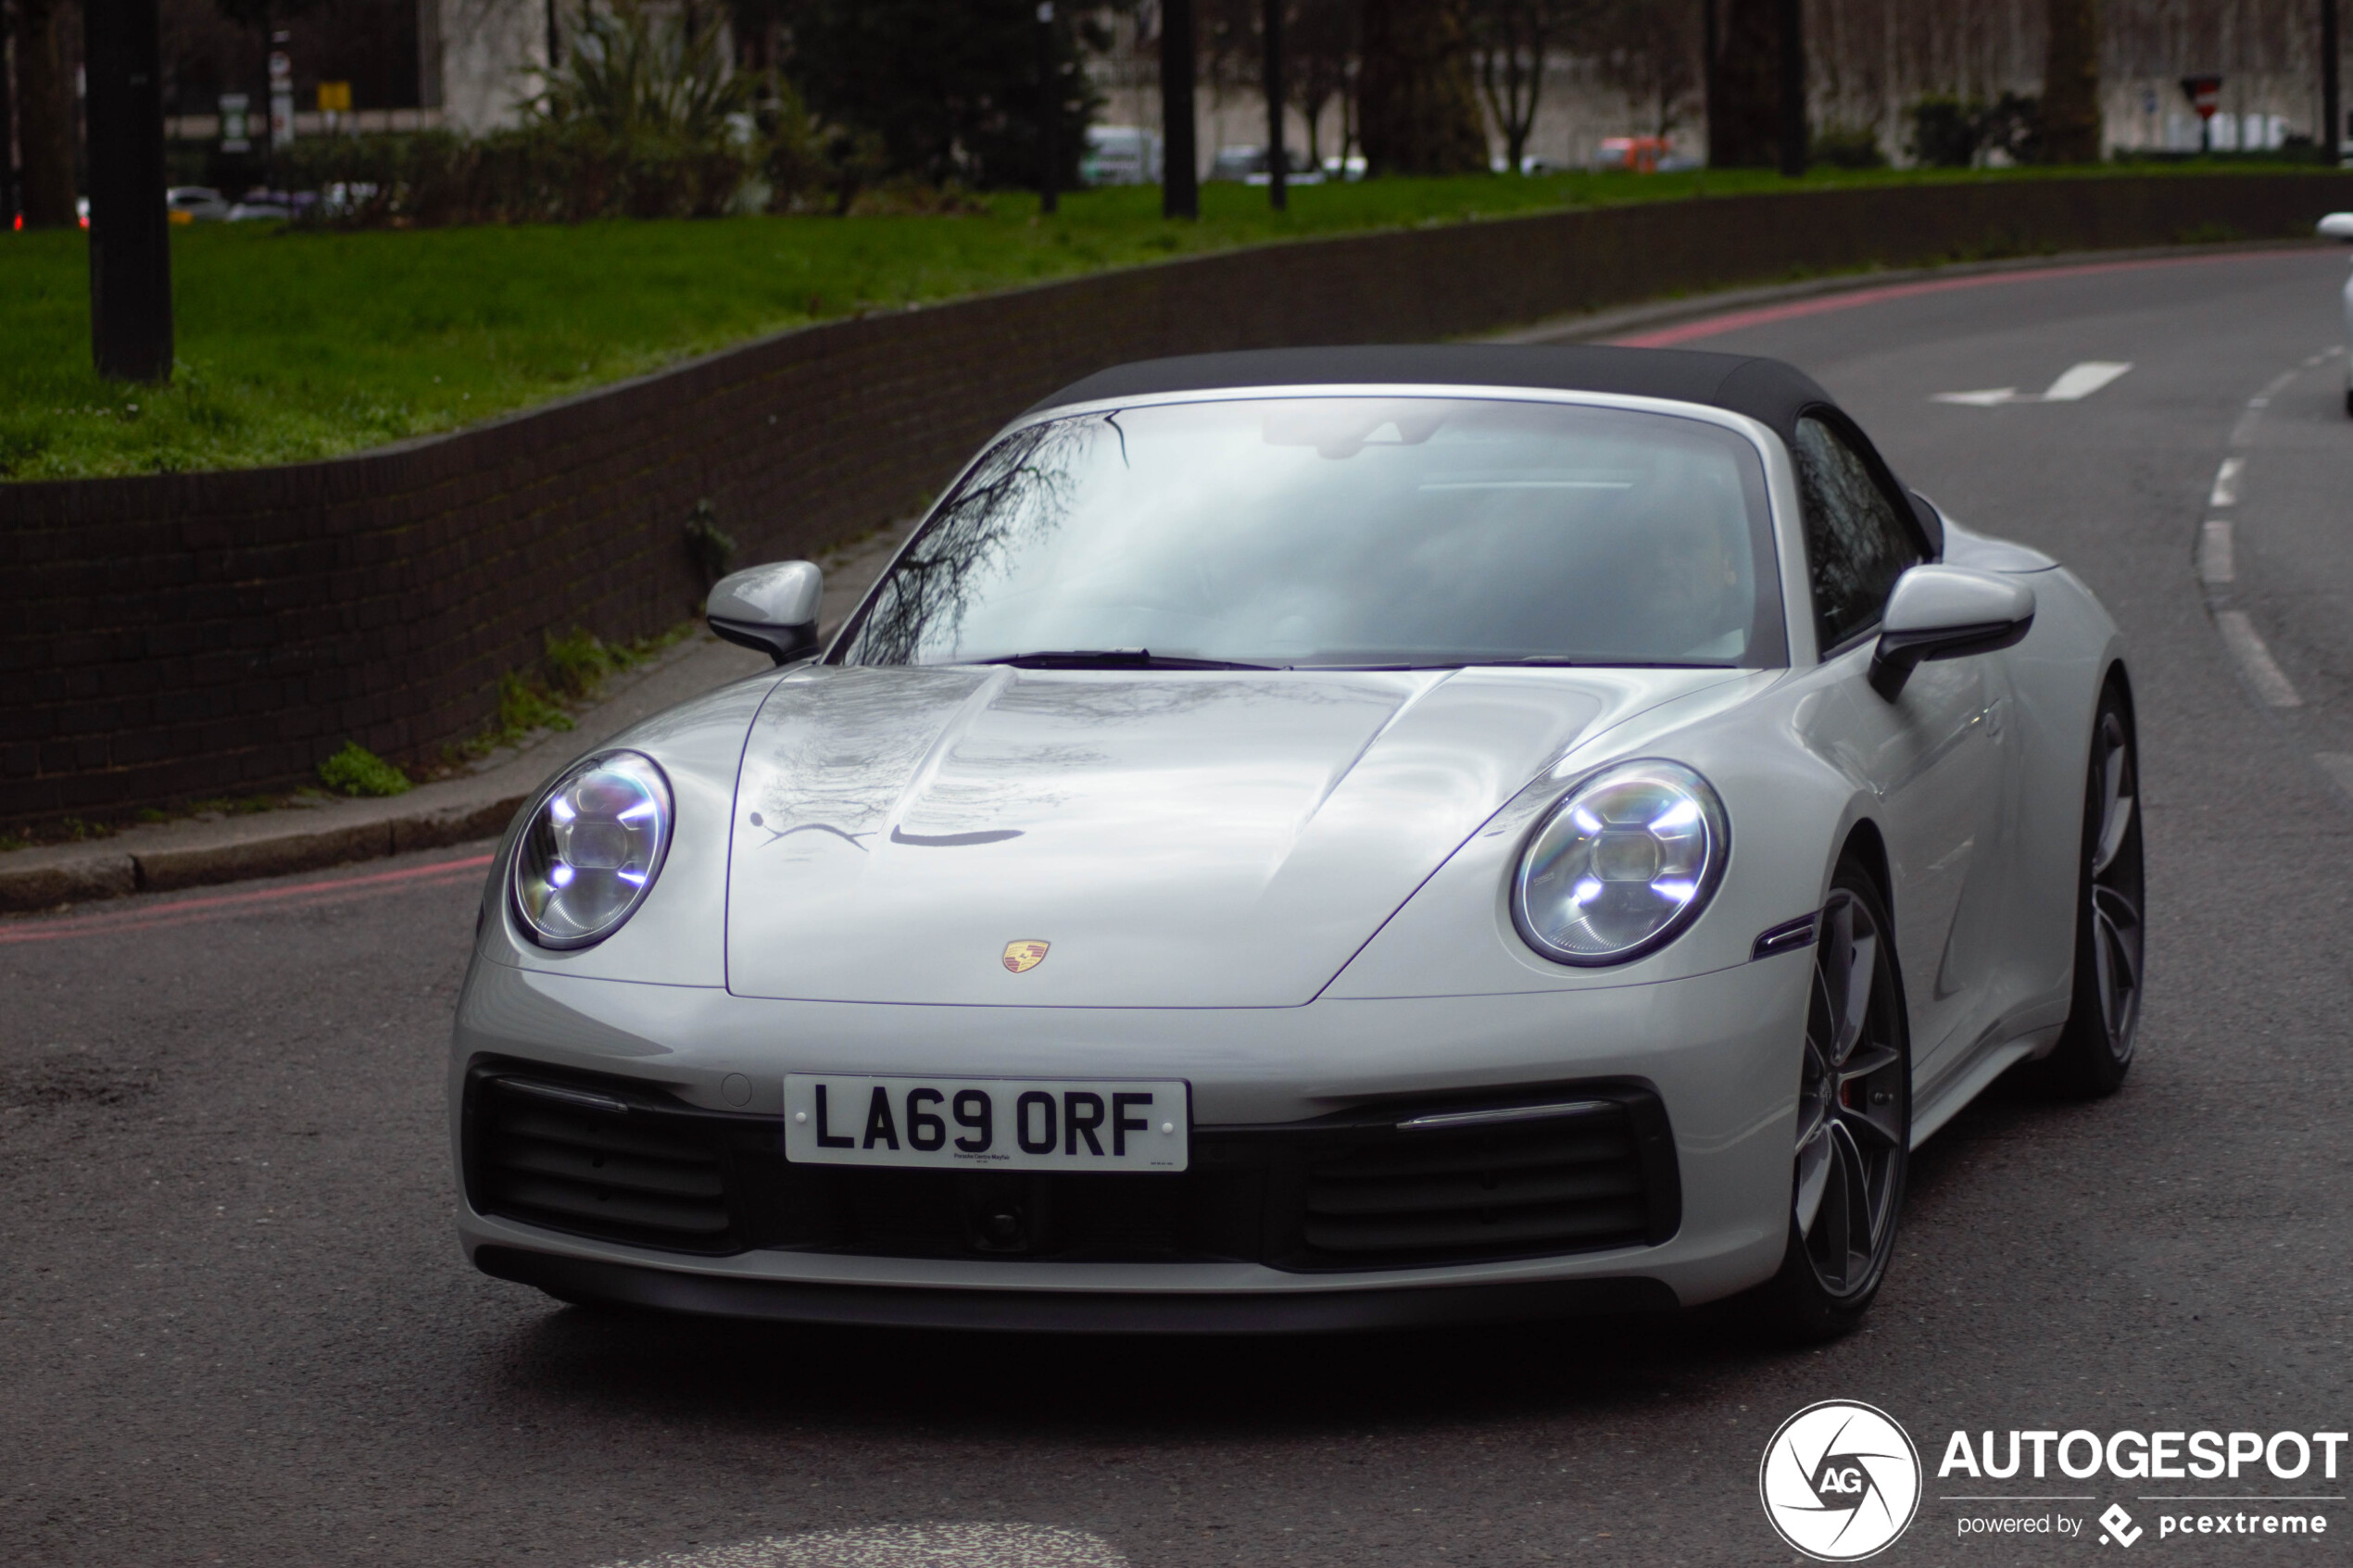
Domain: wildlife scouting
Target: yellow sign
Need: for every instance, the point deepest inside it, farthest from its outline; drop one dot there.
(1022, 956)
(334, 97)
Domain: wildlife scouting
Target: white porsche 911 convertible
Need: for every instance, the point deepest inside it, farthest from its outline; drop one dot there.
(1321, 839)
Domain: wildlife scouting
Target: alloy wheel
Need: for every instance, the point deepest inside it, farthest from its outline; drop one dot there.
(1854, 1102)
(2113, 890)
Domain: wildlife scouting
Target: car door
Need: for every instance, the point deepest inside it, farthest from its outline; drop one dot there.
(1930, 756)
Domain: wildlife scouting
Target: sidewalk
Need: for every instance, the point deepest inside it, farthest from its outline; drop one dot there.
(198, 851)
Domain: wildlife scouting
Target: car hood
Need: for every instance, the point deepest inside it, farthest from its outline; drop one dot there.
(1171, 839)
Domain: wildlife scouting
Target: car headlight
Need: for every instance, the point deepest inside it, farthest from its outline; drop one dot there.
(1625, 862)
(592, 849)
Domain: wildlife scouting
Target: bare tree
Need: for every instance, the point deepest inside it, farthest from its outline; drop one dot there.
(1510, 41)
(1417, 102)
(1322, 40)
(45, 112)
(1650, 51)
(2071, 83)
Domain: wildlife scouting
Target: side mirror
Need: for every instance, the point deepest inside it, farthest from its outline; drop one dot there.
(2337, 226)
(1946, 612)
(770, 607)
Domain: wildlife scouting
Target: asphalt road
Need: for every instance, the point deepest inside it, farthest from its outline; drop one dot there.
(234, 1327)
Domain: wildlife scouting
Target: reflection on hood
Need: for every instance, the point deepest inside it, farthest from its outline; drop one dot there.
(1180, 839)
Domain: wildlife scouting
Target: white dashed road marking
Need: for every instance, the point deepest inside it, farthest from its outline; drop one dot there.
(2081, 381)
(2263, 673)
(2075, 383)
(2226, 482)
(2339, 765)
(2215, 562)
(905, 1546)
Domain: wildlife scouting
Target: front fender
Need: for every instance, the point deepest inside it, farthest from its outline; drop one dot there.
(1789, 811)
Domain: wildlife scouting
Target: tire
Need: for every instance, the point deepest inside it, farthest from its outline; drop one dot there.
(1854, 1123)
(2349, 400)
(2095, 1050)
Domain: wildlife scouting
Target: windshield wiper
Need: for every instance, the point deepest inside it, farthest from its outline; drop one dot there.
(1544, 662)
(1114, 659)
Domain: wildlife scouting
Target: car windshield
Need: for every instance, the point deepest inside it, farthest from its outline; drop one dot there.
(1353, 531)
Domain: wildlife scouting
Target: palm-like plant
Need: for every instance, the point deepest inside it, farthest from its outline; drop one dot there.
(633, 73)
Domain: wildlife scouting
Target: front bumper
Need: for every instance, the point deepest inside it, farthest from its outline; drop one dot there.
(1684, 1184)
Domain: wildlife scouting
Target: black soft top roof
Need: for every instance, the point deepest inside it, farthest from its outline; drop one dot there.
(1765, 390)
(1769, 391)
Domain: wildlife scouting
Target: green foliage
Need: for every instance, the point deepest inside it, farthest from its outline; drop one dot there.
(525, 707)
(356, 771)
(578, 662)
(713, 549)
(644, 119)
(1956, 134)
(1943, 133)
(297, 345)
(952, 92)
(630, 74)
(1847, 146)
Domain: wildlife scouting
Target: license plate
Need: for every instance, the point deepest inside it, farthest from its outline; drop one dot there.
(987, 1124)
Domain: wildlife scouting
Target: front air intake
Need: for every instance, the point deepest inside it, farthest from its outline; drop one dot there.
(1569, 1183)
(551, 1153)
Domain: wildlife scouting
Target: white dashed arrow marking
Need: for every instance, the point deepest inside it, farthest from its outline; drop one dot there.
(2074, 385)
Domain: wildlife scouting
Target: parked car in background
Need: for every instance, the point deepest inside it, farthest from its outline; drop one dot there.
(1633, 155)
(258, 206)
(1120, 155)
(1249, 165)
(195, 204)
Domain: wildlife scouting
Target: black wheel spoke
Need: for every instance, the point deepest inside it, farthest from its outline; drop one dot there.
(1861, 1236)
(2112, 886)
(1852, 1126)
(1862, 970)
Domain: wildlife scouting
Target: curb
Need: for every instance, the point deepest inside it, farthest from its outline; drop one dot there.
(47, 878)
(167, 858)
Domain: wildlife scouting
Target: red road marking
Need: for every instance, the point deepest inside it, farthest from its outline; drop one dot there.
(221, 905)
(1765, 314)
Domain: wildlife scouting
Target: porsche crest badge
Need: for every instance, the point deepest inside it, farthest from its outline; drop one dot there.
(1022, 956)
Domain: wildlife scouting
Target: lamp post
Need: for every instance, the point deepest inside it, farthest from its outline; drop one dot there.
(1049, 171)
(130, 230)
(8, 201)
(1278, 159)
(1792, 62)
(1181, 174)
(2332, 136)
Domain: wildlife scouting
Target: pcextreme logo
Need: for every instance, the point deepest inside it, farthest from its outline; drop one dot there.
(1839, 1481)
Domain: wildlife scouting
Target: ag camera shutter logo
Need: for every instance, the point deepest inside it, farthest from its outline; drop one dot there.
(1839, 1481)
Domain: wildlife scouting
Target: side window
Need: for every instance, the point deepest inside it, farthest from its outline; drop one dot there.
(1856, 544)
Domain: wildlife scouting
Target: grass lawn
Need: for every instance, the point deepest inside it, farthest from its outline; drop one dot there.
(295, 345)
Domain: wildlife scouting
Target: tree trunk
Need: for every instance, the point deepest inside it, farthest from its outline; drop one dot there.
(1416, 107)
(1744, 113)
(2071, 83)
(45, 116)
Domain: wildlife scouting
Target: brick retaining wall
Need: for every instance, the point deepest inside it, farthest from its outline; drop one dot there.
(186, 636)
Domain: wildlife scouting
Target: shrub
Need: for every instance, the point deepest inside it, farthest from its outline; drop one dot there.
(1953, 133)
(1943, 133)
(524, 708)
(645, 119)
(1848, 147)
(578, 664)
(713, 548)
(356, 771)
